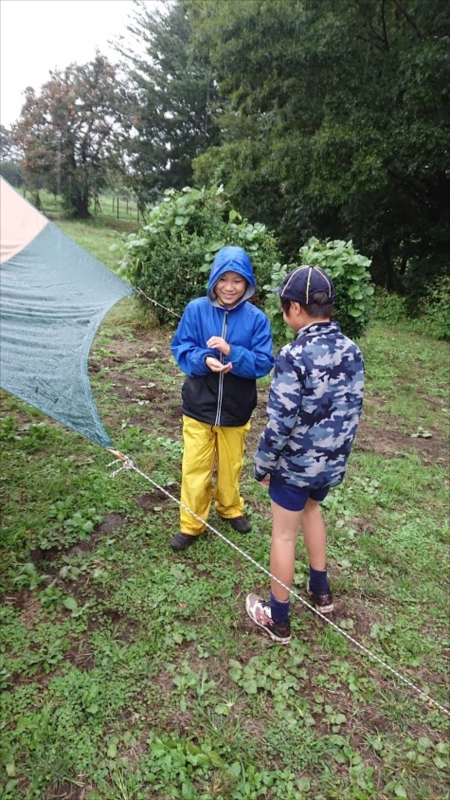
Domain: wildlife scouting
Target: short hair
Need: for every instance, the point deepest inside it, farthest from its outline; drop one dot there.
(320, 308)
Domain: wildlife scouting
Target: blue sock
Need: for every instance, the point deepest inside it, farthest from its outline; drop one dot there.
(318, 581)
(279, 610)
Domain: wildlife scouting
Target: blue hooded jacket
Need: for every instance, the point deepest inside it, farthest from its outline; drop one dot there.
(225, 399)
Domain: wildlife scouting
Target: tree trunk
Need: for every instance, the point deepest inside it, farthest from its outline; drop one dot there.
(81, 205)
(382, 269)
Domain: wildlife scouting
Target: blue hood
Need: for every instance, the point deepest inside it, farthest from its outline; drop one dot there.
(234, 259)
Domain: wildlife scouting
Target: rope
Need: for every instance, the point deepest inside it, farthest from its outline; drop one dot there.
(155, 303)
(129, 465)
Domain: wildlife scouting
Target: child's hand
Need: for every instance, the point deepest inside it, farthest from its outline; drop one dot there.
(218, 343)
(264, 480)
(216, 366)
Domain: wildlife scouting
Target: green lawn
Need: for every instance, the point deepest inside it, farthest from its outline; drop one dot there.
(97, 238)
(113, 209)
(132, 672)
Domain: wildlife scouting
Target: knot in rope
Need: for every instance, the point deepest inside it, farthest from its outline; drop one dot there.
(127, 464)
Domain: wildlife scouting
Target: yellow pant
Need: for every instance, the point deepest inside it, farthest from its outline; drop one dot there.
(204, 445)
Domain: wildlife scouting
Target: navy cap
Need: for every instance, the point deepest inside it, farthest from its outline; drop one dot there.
(301, 284)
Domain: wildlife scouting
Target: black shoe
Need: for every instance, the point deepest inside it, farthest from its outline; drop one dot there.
(181, 541)
(240, 524)
(323, 602)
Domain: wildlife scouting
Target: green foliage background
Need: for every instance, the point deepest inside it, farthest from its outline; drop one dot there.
(334, 124)
(430, 318)
(354, 289)
(171, 256)
(325, 120)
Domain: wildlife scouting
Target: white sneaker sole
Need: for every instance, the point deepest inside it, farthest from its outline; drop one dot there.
(325, 609)
(248, 607)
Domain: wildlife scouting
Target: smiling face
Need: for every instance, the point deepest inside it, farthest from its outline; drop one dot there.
(230, 288)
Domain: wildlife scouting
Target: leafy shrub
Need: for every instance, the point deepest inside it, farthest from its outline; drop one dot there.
(421, 275)
(388, 306)
(429, 316)
(434, 311)
(350, 272)
(281, 333)
(169, 259)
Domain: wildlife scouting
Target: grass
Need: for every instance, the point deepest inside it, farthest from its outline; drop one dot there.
(115, 210)
(128, 671)
(94, 236)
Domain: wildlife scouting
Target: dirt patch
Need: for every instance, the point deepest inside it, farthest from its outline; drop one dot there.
(67, 791)
(148, 501)
(81, 655)
(388, 441)
(30, 606)
(111, 522)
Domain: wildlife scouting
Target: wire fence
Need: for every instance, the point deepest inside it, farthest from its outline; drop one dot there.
(107, 206)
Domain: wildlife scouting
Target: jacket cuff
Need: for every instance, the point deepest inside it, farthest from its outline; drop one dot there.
(259, 476)
(228, 358)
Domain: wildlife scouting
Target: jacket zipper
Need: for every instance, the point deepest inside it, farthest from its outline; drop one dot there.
(221, 374)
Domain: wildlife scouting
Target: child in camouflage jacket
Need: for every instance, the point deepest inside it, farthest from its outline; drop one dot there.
(314, 409)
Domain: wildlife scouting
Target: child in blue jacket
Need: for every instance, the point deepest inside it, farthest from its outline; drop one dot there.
(314, 408)
(223, 343)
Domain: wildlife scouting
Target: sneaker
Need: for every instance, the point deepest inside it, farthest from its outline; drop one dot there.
(240, 524)
(181, 541)
(322, 602)
(260, 612)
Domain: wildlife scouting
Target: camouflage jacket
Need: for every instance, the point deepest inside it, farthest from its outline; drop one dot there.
(314, 408)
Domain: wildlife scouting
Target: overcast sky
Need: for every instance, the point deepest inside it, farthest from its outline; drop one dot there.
(40, 35)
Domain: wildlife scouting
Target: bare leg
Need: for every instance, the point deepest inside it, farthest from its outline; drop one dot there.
(314, 535)
(286, 525)
(285, 528)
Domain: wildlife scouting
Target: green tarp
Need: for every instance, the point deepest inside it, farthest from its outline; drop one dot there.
(54, 296)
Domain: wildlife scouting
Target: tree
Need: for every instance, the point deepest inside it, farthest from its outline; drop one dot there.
(174, 91)
(72, 133)
(10, 159)
(336, 123)
(8, 150)
(12, 172)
